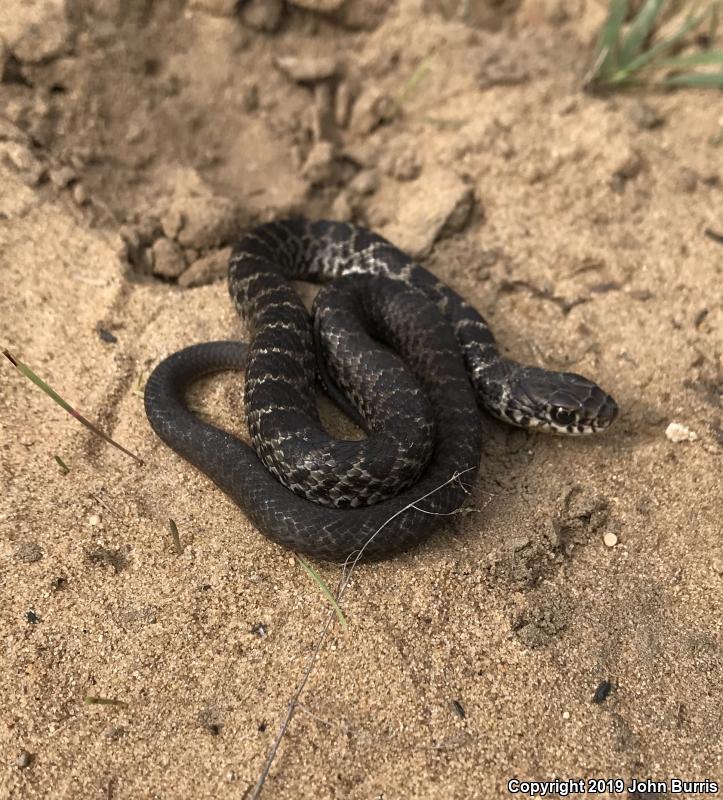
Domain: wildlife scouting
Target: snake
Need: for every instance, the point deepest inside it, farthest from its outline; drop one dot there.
(400, 352)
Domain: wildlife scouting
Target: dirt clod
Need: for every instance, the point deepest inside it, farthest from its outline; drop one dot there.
(440, 204)
(308, 69)
(23, 162)
(207, 269)
(36, 31)
(262, 15)
(372, 107)
(645, 116)
(168, 260)
(28, 552)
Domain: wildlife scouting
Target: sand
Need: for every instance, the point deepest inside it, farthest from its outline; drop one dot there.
(136, 141)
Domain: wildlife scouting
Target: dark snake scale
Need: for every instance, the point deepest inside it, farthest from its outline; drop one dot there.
(401, 353)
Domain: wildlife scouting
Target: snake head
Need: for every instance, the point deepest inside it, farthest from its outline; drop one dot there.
(558, 402)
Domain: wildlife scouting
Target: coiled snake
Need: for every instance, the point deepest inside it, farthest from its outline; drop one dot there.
(398, 350)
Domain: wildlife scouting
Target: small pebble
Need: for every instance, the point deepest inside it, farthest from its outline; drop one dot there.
(94, 519)
(250, 98)
(501, 74)
(371, 108)
(629, 165)
(168, 261)
(645, 116)
(365, 182)
(29, 552)
(308, 69)
(405, 167)
(341, 207)
(342, 104)
(24, 760)
(610, 540)
(206, 270)
(321, 6)
(209, 219)
(567, 105)
(136, 131)
(262, 15)
(676, 432)
(687, 180)
(216, 8)
(80, 196)
(4, 58)
(566, 715)
(21, 160)
(322, 113)
(62, 177)
(601, 693)
(105, 335)
(319, 165)
(171, 223)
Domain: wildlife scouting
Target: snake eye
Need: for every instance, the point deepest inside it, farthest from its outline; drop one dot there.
(563, 417)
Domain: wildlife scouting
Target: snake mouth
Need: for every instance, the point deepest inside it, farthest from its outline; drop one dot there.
(582, 415)
(606, 415)
(558, 402)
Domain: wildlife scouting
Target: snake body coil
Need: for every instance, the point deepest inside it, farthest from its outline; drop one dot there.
(401, 353)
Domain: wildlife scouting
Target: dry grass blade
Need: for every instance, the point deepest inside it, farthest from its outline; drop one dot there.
(344, 584)
(90, 700)
(314, 575)
(30, 375)
(411, 84)
(175, 538)
(64, 468)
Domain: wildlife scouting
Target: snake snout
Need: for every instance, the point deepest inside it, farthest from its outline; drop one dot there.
(558, 402)
(606, 413)
(579, 406)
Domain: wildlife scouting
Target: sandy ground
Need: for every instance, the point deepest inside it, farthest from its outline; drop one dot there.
(136, 140)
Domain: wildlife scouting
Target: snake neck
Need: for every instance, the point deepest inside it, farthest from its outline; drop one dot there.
(491, 375)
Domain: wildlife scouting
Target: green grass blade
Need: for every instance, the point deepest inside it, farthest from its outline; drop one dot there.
(714, 20)
(314, 575)
(695, 80)
(640, 30)
(607, 48)
(39, 382)
(691, 60)
(415, 78)
(411, 83)
(661, 47)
